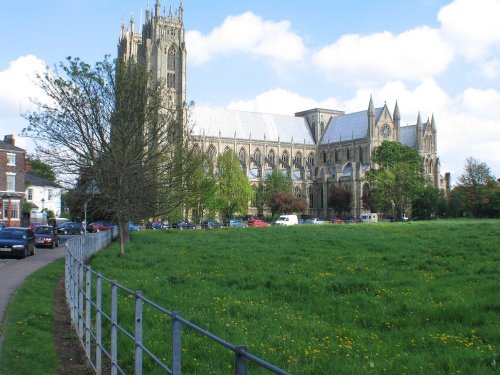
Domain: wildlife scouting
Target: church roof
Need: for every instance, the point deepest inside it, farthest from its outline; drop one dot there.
(348, 126)
(408, 135)
(229, 123)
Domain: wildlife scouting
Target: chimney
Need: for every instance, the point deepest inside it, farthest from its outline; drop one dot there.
(27, 165)
(10, 139)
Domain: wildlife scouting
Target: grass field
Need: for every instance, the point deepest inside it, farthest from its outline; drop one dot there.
(405, 298)
(28, 345)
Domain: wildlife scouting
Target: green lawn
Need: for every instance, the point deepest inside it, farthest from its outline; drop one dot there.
(28, 347)
(405, 298)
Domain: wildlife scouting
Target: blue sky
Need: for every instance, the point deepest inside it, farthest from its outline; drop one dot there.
(438, 57)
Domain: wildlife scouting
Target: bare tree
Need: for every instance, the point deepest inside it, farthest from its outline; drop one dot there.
(112, 122)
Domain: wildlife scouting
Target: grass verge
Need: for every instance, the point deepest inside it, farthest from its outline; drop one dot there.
(28, 346)
(417, 297)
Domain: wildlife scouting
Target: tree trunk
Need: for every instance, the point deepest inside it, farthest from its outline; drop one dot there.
(124, 236)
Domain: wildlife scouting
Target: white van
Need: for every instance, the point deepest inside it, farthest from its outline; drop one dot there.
(287, 220)
(369, 218)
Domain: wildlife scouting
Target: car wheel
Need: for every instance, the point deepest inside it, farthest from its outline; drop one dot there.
(25, 253)
(53, 246)
(33, 251)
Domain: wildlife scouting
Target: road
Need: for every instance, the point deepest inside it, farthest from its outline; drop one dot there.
(13, 272)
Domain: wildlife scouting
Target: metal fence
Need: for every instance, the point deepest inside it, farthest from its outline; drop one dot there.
(103, 327)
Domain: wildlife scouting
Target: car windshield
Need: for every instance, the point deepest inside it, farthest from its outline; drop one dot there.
(44, 230)
(11, 234)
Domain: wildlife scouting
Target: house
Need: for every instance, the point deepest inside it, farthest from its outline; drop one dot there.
(42, 196)
(12, 188)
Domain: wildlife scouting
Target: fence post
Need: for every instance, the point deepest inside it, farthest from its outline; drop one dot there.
(240, 360)
(80, 301)
(74, 288)
(138, 332)
(98, 323)
(176, 344)
(114, 329)
(88, 314)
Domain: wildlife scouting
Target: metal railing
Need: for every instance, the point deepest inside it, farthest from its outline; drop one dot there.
(102, 334)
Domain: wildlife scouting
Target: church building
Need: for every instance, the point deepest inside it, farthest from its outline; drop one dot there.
(317, 148)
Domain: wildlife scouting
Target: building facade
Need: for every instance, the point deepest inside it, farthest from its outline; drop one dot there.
(318, 148)
(42, 196)
(12, 175)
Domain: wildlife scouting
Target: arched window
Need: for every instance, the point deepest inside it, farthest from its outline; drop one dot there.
(211, 152)
(322, 128)
(285, 158)
(361, 156)
(242, 156)
(271, 161)
(323, 153)
(298, 159)
(311, 196)
(337, 156)
(256, 156)
(253, 198)
(171, 58)
(348, 154)
(310, 159)
(297, 191)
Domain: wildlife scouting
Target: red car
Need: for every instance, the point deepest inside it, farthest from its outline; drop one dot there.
(257, 223)
(46, 236)
(99, 226)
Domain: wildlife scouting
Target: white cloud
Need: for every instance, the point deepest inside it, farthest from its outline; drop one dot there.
(16, 84)
(490, 69)
(412, 55)
(247, 33)
(472, 26)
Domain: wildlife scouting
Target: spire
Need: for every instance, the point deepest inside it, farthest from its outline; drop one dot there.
(371, 109)
(170, 11)
(132, 24)
(157, 8)
(181, 10)
(397, 115)
(419, 133)
(419, 121)
(433, 123)
(371, 118)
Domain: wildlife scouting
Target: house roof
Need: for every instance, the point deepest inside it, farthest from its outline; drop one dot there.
(6, 146)
(32, 179)
(349, 126)
(250, 125)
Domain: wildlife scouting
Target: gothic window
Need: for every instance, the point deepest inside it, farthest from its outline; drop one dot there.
(297, 191)
(311, 196)
(253, 199)
(211, 152)
(256, 156)
(322, 128)
(270, 159)
(348, 154)
(242, 156)
(285, 158)
(324, 156)
(296, 175)
(310, 159)
(337, 156)
(171, 80)
(171, 58)
(360, 151)
(298, 159)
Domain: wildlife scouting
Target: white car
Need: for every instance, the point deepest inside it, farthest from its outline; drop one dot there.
(314, 220)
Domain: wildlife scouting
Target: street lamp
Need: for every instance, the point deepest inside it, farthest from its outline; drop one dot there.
(43, 211)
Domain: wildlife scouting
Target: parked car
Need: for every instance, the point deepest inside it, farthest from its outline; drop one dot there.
(17, 241)
(157, 225)
(287, 220)
(257, 223)
(132, 227)
(70, 227)
(99, 226)
(32, 226)
(210, 224)
(183, 225)
(235, 223)
(314, 220)
(46, 236)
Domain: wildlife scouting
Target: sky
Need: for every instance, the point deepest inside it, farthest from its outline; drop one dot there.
(434, 57)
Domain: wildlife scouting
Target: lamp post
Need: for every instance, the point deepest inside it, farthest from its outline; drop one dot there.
(43, 211)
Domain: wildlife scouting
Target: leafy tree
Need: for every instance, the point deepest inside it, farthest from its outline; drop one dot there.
(42, 169)
(429, 204)
(274, 183)
(479, 187)
(398, 179)
(233, 187)
(286, 203)
(339, 199)
(113, 122)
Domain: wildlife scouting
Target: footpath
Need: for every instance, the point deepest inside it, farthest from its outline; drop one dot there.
(13, 274)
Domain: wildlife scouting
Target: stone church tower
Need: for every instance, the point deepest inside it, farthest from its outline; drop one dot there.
(161, 49)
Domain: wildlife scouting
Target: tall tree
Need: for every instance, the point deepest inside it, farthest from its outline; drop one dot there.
(113, 121)
(479, 187)
(42, 169)
(429, 204)
(397, 180)
(286, 203)
(233, 188)
(274, 183)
